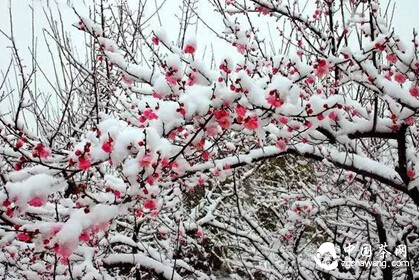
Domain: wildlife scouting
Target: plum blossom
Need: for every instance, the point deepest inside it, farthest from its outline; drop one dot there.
(127, 80)
(24, 237)
(275, 101)
(155, 40)
(146, 161)
(36, 202)
(283, 120)
(379, 46)
(199, 233)
(400, 78)
(84, 162)
(309, 80)
(281, 144)
(222, 116)
(190, 48)
(411, 173)
(321, 68)
(171, 80)
(251, 123)
(150, 204)
(410, 120)
(414, 91)
(262, 10)
(241, 48)
(148, 114)
(240, 110)
(64, 252)
(391, 58)
(333, 116)
(40, 151)
(85, 237)
(17, 166)
(20, 143)
(107, 146)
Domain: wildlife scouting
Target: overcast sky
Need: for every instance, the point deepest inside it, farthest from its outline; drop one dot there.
(405, 18)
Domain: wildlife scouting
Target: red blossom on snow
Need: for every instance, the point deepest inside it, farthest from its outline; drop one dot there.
(391, 58)
(189, 48)
(241, 48)
(24, 237)
(281, 144)
(262, 10)
(127, 80)
(36, 202)
(85, 236)
(400, 78)
(240, 110)
(222, 116)
(155, 40)
(146, 161)
(148, 114)
(414, 91)
(411, 173)
(333, 116)
(283, 120)
(150, 204)
(275, 101)
(251, 123)
(84, 163)
(379, 46)
(19, 143)
(17, 166)
(321, 68)
(107, 146)
(40, 151)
